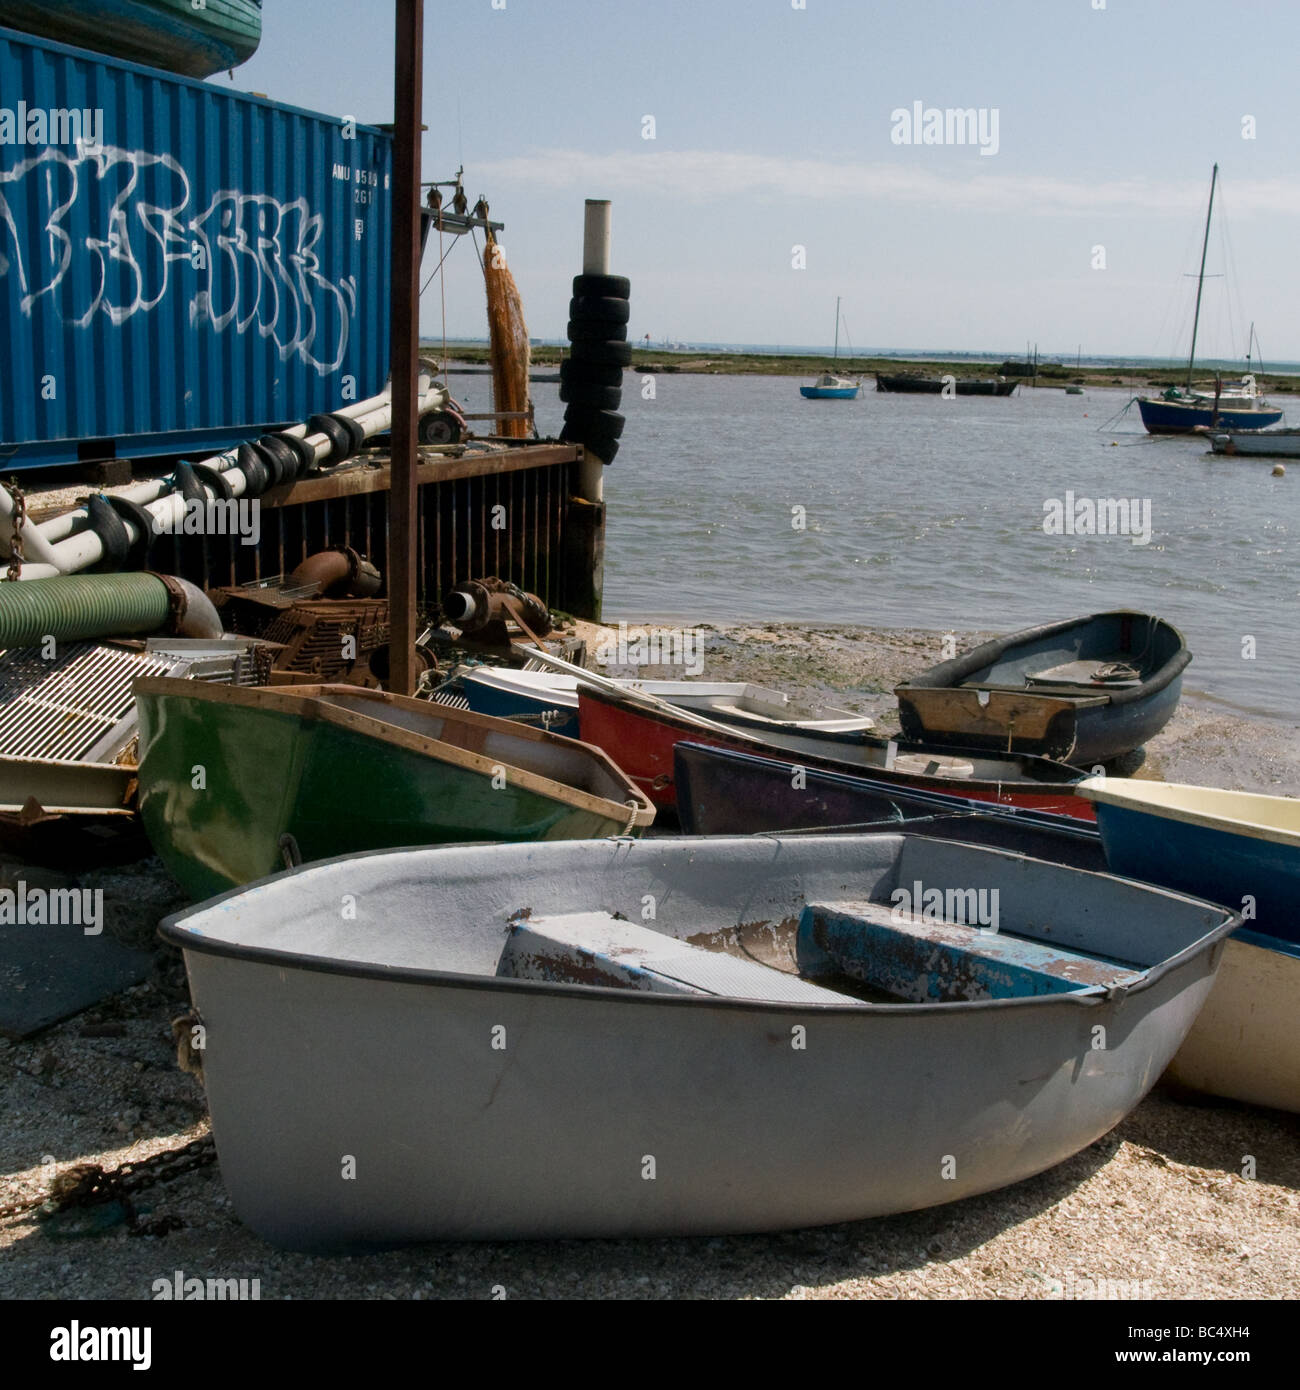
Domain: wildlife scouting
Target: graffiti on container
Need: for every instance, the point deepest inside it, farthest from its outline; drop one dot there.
(136, 222)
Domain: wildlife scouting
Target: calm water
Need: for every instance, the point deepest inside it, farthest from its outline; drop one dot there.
(923, 512)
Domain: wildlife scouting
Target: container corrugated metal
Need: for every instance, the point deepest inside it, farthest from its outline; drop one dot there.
(181, 265)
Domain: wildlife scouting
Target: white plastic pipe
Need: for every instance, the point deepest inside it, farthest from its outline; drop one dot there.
(65, 544)
(595, 261)
(369, 414)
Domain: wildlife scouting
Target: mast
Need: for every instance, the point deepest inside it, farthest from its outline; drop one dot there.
(837, 328)
(1200, 280)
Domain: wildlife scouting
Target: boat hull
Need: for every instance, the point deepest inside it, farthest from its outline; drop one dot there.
(279, 780)
(694, 1115)
(722, 792)
(829, 393)
(182, 36)
(1247, 1046)
(1245, 1043)
(552, 700)
(1173, 417)
(641, 741)
(1281, 444)
(559, 709)
(1219, 864)
(934, 386)
(988, 698)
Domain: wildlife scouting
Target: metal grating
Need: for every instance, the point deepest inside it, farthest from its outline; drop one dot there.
(61, 708)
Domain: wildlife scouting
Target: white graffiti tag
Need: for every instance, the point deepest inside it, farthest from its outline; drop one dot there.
(256, 257)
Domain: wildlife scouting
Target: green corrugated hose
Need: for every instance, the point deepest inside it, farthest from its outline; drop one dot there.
(75, 606)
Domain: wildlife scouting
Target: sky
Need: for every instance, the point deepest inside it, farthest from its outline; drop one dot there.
(774, 129)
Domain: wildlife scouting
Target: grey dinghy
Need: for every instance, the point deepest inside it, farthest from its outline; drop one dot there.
(499, 1041)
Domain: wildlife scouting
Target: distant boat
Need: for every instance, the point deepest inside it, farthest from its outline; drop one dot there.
(1074, 390)
(1227, 406)
(933, 385)
(189, 37)
(828, 386)
(1278, 444)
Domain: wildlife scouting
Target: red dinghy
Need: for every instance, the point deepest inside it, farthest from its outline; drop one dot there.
(640, 738)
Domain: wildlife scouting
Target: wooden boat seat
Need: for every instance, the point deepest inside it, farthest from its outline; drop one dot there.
(933, 765)
(1075, 693)
(1084, 673)
(924, 961)
(597, 948)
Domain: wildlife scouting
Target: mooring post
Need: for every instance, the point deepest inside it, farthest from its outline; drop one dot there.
(595, 261)
(404, 342)
(585, 545)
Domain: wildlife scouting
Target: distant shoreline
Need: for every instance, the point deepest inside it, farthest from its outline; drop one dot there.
(1051, 376)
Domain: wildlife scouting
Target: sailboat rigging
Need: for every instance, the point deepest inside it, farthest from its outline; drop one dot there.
(828, 386)
(1230, 405)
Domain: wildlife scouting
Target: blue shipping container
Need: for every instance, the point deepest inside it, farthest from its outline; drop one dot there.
(181, 265)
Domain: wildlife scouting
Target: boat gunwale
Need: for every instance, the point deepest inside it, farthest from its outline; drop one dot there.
(500, 680)
(1099, 789)
(675, 718)
(947, 674)
(1034, 816)
(171, 930)
(312, 702)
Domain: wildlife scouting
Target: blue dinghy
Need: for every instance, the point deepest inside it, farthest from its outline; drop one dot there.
(1085, 690)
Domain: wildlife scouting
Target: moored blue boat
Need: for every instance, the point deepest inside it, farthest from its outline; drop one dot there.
(1224, 406)
(828, 386)
(831, 388)
(1185, 415)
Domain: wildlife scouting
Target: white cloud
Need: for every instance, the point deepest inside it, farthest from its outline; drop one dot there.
(705, 175)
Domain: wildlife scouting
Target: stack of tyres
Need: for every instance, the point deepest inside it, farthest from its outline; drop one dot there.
(591, 378)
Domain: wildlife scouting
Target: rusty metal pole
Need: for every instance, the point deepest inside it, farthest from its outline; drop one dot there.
(404, 341)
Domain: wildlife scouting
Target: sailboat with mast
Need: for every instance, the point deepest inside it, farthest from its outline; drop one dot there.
(1235, 405)
(828, 386)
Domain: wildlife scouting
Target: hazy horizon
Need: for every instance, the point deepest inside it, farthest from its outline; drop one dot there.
(1067, 208)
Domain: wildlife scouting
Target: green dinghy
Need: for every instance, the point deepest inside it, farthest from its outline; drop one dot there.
(238, 782)
(182, 36)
